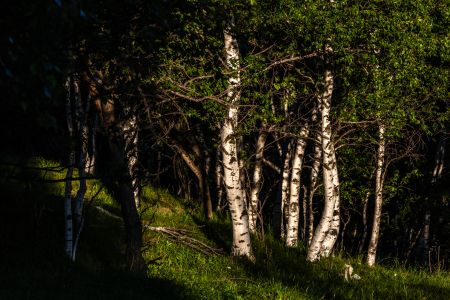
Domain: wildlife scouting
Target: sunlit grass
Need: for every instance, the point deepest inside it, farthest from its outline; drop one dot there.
(176, 271)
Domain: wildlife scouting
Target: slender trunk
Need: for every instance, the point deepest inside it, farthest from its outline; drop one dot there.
(372, 251)
(68, 231)
(205, 161)
(219, 179)
(293, 210)
(257, 180)
(81, 120)
(130, 129)
(328, 228)
(92, 145)
(304, 213)
(315, 169)
(202, 183)
(437, 174)
(283, 193)
(234, 192)
(243, 177)
(122, 186)
(362, 242)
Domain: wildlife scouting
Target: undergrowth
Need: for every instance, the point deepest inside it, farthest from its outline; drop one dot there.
(33, 264)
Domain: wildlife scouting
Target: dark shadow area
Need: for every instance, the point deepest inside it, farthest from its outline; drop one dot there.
(32, 260)
(218, 231)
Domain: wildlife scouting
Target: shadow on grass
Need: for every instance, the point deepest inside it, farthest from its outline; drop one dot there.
(217, 231)
(323, 279)
(32, 260)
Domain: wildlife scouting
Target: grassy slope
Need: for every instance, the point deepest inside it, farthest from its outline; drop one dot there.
(32, 265)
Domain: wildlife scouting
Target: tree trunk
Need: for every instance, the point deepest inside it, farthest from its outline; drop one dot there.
(379, 179)
(68, 219)
(219, 179)
(328, 228)
(205, 160)
(122, 186)
(202, 182)
(92, 145)
(362, 242)
(234, 192)
(293, 210)
(81, 120)
(130, 130)
(315, 169)
(257, 180)
(437, 174)
(283, 193)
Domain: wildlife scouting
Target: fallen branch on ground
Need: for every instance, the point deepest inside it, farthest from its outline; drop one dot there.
(180, 236)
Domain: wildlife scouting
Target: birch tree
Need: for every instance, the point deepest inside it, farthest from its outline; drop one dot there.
(234, 191)
(293, 210)
(327, 230)
(379, 180)
(68, 216)
(257, 179)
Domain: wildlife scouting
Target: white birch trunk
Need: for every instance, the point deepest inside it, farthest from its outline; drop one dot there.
(372, 251)
(81, 116)
(327, 230)
(68, 231)
(278, 210)
(285, 189)
(257, 180)
(235, 194)
(315, 169)
(293, 209)
(131, 145)
(219, 179)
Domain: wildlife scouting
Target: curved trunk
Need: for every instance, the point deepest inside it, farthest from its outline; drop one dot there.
(328, 228)
(122, 186)
(372, 251)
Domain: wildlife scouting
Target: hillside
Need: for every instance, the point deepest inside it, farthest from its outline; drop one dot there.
(187, 257)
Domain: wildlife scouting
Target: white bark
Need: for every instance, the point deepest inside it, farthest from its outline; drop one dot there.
(130, 130)
(278, 210)
(315, 169)
(372, 251)
(257, 180)
(68, 231)
(293, 209)
(327, 230)
(235, 194)
(219, 179)
(81, 116)
(285, 189)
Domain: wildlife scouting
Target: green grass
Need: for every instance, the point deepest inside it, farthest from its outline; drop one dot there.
(32, 263)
